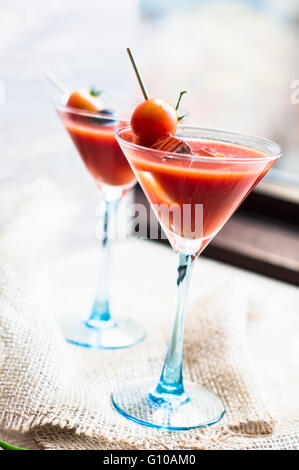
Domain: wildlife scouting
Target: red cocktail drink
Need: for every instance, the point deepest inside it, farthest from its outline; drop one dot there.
(182, 183)
(92, 132)
(216, 174)
(94, 138)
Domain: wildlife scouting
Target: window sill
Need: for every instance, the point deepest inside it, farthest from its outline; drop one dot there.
(255, 241)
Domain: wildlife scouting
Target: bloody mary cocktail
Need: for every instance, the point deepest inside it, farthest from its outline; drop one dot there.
(214, 170)
(215, 183)
(94, 138)
(91, 126)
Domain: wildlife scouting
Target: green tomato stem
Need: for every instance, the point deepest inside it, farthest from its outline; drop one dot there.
(6, 446)
(179, 100)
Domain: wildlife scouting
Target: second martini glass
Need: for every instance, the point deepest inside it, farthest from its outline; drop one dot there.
(193, 196)
(93, 136)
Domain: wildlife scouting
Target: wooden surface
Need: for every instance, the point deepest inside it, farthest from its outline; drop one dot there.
(260, 246)
(253, 242)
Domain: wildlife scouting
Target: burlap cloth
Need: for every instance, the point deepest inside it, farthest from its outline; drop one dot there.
(60, 395)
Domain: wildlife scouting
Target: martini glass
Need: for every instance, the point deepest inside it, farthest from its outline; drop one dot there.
(192, 196)
(93, 136)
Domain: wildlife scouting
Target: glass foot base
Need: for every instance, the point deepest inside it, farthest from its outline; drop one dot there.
(113, 335)
(202, 409)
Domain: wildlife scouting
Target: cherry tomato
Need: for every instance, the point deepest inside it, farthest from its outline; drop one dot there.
(152, 119)
(84, 100)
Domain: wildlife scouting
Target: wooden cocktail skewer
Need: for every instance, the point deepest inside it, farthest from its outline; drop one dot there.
(57, 83)
(140, 81)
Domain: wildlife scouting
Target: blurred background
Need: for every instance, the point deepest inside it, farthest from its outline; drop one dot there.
(238, 60)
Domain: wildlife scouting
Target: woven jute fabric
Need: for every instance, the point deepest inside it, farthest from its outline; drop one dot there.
(61, 394)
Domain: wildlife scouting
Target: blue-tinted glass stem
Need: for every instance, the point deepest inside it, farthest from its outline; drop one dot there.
(100, 314)
(171, 380)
